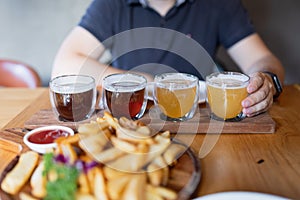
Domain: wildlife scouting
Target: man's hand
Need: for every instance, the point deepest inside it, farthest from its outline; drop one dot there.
(253, 57)
(261, 91)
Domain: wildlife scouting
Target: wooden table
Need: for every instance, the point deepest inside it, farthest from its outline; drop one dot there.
(268, 163)
(14, 101)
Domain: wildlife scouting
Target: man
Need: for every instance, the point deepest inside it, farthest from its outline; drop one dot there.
(208, 22)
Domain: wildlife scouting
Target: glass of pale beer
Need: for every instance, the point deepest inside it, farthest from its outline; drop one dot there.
(176, 94)
(225, 93)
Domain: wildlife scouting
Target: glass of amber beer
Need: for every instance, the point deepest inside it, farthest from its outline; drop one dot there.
(225, 93)
(176, 94)
(125, 95)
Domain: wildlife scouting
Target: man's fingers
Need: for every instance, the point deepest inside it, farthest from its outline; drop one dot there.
(261, 99)
(256, 81)
(259, 107)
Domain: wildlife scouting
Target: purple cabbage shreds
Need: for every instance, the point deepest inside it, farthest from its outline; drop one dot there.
(90, 165)
(60, 158)
(84, 166)
(80, 165)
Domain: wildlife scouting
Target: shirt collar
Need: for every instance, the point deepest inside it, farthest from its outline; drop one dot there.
(179, 2)
(145, 4)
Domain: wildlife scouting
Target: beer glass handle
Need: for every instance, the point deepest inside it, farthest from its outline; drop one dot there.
(150, 90)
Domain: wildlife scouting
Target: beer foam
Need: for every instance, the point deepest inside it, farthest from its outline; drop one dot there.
(128, 86)
(126, 82)
(232, 81)
(72, 88)
(177, 84)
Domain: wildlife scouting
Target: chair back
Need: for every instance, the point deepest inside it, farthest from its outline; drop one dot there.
(18, 74)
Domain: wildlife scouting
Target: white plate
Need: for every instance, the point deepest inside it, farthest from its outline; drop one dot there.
(202, 90)
(239, 196)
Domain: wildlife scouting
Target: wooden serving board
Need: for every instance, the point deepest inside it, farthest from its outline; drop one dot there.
(13, 136)
(201, 123)
(8, 151)
(46, 117)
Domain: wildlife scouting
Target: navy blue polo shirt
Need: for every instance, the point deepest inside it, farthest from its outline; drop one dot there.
(210, 23)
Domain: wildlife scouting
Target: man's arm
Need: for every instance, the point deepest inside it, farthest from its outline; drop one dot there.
(253, 57)
(79, 54)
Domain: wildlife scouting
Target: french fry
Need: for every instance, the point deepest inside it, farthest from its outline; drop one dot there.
(131, 135)
(83, 184)
(135, 188)
(173, 152)
(25, 196)
(20, 174)
(93, 143)
(153, 196)
(142, 148)
(84, 196)
(85, 158)
(108, 155)
(127, 123)
(100, 190)
(107, 133)
(101, 120)
(134, 126)
(92, 128)
(158, 171)
(113, 122)
(68, 152)
(144, 130)
(112, 174)
(70, 139)
(91, 179)
(65, 140)
(162, 191)
(102, 124)
(161, 163)
(115, 187)
(123, 145)
(166, 174)
(52, 176)
(155, 174)
(134, 162)
(166, 134)
(162, 139)
(38, 182)
(157, 148)
(132, 130)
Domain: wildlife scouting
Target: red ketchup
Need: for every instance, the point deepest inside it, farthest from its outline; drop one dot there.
(47, 136)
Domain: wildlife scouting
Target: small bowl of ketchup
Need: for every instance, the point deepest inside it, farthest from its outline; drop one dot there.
(42, 139)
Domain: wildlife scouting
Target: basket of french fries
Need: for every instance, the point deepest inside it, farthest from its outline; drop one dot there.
(109, 159)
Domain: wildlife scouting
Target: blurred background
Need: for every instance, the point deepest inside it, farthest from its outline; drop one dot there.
(33, 30)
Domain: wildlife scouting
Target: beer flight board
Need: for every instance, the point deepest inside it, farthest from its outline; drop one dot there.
(200, 124)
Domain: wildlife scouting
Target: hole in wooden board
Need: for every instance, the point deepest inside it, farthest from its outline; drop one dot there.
(260, 161)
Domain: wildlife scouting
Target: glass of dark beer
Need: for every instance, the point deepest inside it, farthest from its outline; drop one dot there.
(125, 95)
(73, 97)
